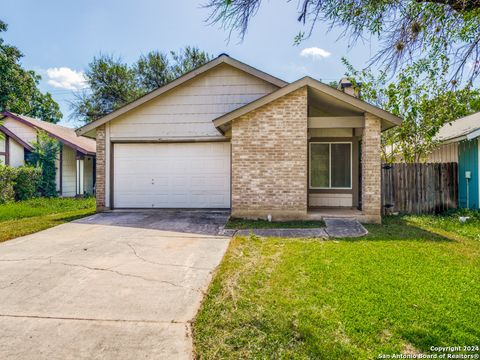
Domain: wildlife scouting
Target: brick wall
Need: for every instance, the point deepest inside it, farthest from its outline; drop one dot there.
(100, 169)
(269, 160)
(371, 170)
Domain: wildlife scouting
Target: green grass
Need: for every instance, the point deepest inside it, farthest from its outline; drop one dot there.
(26, 217)
(234, 223)
(411, 283)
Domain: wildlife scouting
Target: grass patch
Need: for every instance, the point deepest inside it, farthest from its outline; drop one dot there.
(26, 217)
(402, 288)
(234, 223)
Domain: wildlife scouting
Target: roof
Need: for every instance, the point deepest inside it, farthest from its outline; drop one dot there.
(222, 59)
(467, 127)
(310, 82)
(63, 134)
(7, 132)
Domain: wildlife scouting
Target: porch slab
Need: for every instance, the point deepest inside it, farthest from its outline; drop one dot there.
(344, 227)
(317, 233)
(321, 213)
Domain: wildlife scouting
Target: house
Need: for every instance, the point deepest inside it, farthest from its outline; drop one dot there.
(76, 160)
(460, 143)
(227, 135)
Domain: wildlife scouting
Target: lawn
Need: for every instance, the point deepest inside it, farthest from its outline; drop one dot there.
(26, 217)
(412, 283)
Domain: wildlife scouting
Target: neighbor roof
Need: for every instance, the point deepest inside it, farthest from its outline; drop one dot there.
(221, 59)
(61, 133)
(310, 82)
(467, 127)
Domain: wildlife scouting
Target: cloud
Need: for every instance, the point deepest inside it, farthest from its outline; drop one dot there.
(66, 78)
(315, 53)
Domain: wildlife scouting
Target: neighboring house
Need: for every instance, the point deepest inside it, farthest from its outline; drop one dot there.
(76, 160)
(461, 143)
(227, 135)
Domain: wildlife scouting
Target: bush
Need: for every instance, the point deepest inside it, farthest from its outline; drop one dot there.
(43, 155)
(27, 182)
(7, 182)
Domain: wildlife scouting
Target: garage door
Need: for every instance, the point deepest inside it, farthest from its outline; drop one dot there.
(184, 175)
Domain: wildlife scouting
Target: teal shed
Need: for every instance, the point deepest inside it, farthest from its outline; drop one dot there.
(468, 180)
(464, 133)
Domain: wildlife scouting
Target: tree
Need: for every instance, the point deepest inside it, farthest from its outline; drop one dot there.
(409, 29)
(423, 103)
(44, 155)
(113, 83)
(19, 91)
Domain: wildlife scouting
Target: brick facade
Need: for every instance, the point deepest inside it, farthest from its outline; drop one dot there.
(100, 169)
(269, 160)
(371, 170)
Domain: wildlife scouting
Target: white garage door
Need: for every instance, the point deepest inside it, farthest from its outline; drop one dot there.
(184, 175)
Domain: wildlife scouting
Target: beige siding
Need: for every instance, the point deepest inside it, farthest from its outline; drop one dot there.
(88, 175)
(57, 173)
(188, 110)
(69, 170)
(330, 200)
(444, 153)
(16, 153)
(333, 132)
(22, 131)
(2, 142)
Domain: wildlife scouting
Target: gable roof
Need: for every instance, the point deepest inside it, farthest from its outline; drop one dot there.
(467, 127)
(63, 134)
(308, 81)
(10, 134)
(221, 59)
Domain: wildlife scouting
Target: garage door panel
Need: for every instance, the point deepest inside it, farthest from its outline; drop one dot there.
(187, 175)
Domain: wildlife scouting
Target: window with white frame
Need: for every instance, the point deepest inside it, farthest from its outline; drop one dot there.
(330, 165)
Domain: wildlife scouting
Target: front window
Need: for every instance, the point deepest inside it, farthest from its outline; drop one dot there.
(330, 165)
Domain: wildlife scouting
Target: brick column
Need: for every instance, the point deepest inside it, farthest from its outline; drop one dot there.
(100, 169)
(371, 170)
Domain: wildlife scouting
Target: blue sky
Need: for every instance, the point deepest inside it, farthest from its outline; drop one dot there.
(59, 38)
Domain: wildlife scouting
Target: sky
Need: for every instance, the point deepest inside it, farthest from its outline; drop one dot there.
(59, 38)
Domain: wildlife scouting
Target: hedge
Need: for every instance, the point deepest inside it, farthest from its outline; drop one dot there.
(27, 182)
(20, 183)
(7, 181)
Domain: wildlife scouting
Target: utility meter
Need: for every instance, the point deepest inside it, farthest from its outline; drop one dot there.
(468, 174)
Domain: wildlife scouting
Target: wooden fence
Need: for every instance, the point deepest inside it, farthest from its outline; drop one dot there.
(419, 188)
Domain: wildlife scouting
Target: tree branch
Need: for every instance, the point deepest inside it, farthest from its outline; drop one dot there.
(457, 5)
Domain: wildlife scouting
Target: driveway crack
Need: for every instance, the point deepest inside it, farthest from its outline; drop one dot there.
(92, 319)
(125, 274)
(163, 264)
(27, 259)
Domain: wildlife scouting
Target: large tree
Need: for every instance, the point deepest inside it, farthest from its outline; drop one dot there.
(113, 83)
(19, 91)
(418, 95)
(408, 29)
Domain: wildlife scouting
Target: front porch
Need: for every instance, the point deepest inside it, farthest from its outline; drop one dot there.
(337, 213)
(308, 152)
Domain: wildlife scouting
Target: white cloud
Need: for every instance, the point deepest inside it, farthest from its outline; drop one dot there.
(66, 78)
(315, 53)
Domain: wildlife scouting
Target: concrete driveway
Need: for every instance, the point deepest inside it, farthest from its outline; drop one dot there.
(111, 286)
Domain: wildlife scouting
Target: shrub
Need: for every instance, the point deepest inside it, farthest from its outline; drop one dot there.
(27, 182)
(7, 182)
(43, 155)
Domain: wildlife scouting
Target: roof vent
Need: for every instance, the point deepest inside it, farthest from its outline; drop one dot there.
(347, 87)
(223, 54)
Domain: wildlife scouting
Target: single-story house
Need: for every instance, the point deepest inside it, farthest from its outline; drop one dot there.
(227, 135)
(76, 159)
(461, 143)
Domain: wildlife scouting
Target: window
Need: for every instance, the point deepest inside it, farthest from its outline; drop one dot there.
(330, 165)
